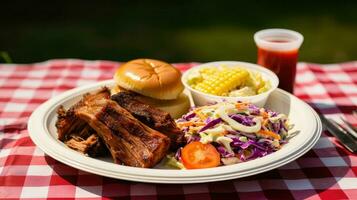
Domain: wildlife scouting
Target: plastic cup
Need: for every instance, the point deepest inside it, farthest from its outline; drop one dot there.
(278, 51)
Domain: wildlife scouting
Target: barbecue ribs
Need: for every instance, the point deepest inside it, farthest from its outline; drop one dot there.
(75, 132)
(129, 141)
(153, 117)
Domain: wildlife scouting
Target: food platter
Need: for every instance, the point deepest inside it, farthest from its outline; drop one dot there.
(306, 132)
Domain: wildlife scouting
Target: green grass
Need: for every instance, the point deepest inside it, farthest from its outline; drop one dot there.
(173, 31)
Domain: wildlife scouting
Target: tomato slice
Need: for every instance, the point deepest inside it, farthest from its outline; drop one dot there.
(196, 155)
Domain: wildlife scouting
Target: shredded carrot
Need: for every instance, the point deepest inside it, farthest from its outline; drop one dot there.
(264, 115)
(265, 122)
(182, 124)
(199, 123)
(241, 106)
(269, 134)
(189, 123)
(200, 115)
(225, 132)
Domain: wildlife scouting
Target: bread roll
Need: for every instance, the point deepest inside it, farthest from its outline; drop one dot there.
(152, 78)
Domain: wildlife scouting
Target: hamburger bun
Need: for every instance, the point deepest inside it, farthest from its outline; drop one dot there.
(152, 78)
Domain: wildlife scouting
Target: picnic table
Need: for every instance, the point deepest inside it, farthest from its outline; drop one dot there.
(328, 171)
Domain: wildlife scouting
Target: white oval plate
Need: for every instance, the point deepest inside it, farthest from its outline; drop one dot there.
(307, 130)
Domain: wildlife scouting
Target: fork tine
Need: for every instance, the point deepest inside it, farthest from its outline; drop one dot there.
(349, 124)
(349, 127)
(338, 126)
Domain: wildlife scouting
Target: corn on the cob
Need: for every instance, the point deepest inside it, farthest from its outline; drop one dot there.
(208, 71)
(221, 81)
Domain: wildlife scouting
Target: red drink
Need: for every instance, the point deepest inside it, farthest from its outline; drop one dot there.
(282, 64)
(278, 51)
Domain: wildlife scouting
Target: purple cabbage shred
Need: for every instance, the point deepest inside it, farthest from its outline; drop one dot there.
(211, 124)
(245, 120)
(224, 153)
(189, 116)
(178, 154)
(193, 138)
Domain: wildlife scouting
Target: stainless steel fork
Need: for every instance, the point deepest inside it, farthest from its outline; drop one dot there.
(340, 133)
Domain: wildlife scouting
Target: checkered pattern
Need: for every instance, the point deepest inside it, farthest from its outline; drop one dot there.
(326, 172)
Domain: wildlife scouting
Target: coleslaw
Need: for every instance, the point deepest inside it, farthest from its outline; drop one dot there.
(239, 131)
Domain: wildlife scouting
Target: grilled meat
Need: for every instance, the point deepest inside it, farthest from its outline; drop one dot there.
(129, 141)
(90, 145)
(151, 116)
(75, 132)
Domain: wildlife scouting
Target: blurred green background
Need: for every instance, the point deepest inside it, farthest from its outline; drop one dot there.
(175, 31)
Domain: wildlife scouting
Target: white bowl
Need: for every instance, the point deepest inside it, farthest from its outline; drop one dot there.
(201, 98)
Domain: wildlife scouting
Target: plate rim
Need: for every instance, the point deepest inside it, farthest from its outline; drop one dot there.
(201, 175)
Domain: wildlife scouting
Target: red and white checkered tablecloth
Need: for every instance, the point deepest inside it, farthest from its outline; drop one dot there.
(327, 171)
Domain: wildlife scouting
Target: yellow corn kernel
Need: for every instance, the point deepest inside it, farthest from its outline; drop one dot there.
(222, 81)
(208, 71)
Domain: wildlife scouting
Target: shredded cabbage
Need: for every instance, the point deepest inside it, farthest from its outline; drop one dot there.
(226, 142)
(238, 126)
(239, 131)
